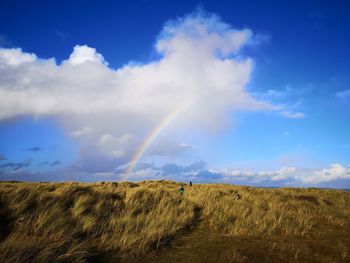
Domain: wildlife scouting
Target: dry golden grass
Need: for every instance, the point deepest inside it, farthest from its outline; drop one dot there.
(292, 211)
(78, 222)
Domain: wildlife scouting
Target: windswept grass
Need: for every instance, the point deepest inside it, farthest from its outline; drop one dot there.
(261, 211)
(72, 221)
(77, 222)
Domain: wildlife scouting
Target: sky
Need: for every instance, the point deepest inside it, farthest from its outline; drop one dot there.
(242, 92)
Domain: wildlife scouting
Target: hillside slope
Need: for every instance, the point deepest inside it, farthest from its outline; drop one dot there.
(151, 222)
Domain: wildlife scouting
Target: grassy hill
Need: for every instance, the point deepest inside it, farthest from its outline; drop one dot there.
(151, 222)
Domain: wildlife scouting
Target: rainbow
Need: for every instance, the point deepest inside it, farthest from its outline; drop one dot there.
(150, 139)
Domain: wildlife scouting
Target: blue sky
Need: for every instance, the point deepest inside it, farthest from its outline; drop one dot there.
(262, 90)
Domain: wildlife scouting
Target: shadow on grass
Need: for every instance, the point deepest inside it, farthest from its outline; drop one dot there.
(5, 221)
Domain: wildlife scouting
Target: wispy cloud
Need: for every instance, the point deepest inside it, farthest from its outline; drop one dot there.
(81, 132)
(54, 163)
(286, 101)
(61, 35)
(2, 157)
(33, 149)
(53, 147)
(12, 166)
(344, 95)
(293, 115)
(5, 41)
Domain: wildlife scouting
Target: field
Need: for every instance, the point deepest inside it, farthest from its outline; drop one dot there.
(151, 222)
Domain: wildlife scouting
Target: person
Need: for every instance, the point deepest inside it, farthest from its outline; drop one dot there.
(190, 183)
(182, 190)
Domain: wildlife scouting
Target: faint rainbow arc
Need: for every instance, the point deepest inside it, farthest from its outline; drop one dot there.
(150, 139)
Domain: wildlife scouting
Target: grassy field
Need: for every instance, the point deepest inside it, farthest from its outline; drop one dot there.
(151, 222)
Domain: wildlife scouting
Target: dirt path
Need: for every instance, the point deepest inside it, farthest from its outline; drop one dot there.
(201, 244)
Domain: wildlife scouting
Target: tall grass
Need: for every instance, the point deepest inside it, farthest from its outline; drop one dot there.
(251, 211)
(73, 222)
(70, 221)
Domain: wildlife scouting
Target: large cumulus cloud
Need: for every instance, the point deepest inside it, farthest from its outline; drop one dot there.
(200, 70)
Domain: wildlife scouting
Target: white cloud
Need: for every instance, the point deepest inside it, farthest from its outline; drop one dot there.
(81, 132)
(14, 57)
(288, 175)
(292, 115)
(284, 173)
(212, 33)
(83, 54)
(343, 95)
(285, 102)
(201, 69)
(336, 175)
(256, 176)
(336, 171)
(115, 146)
(275, 93)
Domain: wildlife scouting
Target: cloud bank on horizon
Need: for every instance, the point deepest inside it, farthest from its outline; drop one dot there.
(202, 73)
(285, 176)
(197, 172)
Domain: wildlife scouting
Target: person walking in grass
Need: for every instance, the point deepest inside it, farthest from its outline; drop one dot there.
(182, 190)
